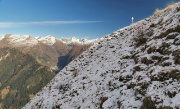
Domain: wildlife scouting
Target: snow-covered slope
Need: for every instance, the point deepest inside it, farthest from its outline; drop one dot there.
(135, 67)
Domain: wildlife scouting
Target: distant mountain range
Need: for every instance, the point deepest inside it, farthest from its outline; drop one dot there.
(27, 64)
(136, 67)
(27, 40)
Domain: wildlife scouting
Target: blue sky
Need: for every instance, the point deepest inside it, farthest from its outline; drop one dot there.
(68, 18)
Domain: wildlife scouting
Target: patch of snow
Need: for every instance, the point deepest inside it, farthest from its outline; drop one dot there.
(4, 57)
(2, 37)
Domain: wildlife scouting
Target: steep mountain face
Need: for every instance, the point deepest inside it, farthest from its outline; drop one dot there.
(47, 49)
(135, 67)
(21, 77)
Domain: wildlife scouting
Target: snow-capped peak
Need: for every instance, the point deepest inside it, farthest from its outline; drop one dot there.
(71, 41)
(19, 40)
(49, 40)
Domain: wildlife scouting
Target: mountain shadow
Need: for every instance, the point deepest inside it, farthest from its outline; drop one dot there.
(63, 61)
(76, 50)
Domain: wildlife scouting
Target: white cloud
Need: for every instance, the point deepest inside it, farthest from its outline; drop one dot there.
(17, 24)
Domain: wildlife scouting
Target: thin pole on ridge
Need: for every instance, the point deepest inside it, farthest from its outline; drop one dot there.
(132, 19)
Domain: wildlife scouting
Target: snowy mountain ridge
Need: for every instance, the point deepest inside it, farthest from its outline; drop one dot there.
(28, 40)
(72, 40)
(49, 40)
(137, 67)
(19, 40)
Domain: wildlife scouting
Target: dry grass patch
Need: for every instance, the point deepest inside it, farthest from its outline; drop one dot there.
(170, 5)
(168, 8)
(13, 92)
(1, 106)
(4, 92)
(148, 103)
(157, 11)
(31, 96)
